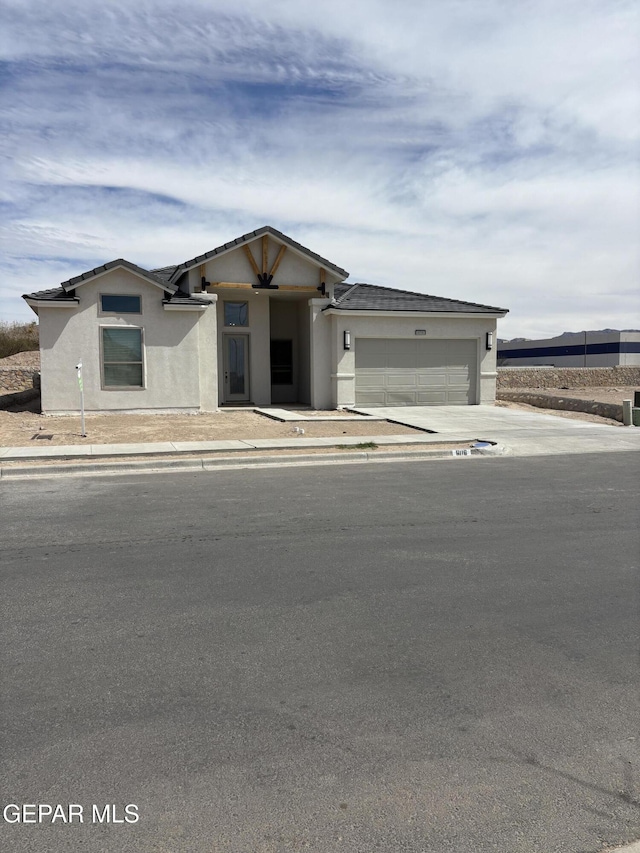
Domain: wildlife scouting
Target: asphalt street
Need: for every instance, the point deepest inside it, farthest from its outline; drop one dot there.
(438, 656)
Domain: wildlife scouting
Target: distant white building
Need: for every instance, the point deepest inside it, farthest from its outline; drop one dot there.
(573, 349)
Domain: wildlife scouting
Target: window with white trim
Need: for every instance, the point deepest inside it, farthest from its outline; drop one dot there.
(122, 357)
(119, 303)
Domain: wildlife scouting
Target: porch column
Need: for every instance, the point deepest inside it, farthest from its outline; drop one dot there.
(208, 355)
(320, 354)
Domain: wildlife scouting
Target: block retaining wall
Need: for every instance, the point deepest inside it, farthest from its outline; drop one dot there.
(570, 404)
(567, 377)
(14, 379)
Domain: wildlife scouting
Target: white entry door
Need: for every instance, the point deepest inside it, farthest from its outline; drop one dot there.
(236, 368)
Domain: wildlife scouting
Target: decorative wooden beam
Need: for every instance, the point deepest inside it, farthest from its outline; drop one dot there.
(322, 286)
(243, 285)
(252, 260)
(240, 285)
(203, 277)
(265, 254)
(276, 263)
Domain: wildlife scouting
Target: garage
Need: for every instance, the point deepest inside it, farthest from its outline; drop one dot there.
(415, 372)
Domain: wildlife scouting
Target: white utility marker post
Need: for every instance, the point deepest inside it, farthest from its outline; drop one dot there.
(79, 372)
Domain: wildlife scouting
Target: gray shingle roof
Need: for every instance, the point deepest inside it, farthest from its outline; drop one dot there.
(164, 273)
(182, 298)
(119, 262)
(371, 297)
(266, 229)
(58, 294)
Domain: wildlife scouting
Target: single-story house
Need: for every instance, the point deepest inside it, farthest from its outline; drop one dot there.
(260, 320)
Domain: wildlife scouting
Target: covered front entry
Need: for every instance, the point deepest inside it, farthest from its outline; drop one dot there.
(414, 372)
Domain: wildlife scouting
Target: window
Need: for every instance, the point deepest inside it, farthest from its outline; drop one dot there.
(122, 358)
(236, 313)
(116, 303)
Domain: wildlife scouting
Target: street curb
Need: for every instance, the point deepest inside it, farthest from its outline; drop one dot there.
(633, 847)
(211, 463)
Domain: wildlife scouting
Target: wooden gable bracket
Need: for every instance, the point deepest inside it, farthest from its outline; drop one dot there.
(322, 287)
(204, 284)
(264, 277)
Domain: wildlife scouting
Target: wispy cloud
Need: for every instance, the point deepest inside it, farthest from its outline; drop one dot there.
(482, 151)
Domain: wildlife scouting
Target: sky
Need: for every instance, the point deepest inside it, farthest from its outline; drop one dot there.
(483, 150)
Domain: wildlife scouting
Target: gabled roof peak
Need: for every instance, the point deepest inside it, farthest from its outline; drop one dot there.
(248, 238)
(71, 283)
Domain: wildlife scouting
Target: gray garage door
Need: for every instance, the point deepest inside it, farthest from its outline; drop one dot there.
(415, 372)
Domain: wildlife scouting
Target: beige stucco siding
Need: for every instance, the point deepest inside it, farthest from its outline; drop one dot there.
(170, 350)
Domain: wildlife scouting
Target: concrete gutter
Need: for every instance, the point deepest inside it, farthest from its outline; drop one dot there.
(108, 462)
(177, 448)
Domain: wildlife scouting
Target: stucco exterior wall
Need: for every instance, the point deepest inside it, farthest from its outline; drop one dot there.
(343, 390)
(321, 348)
(170, 344)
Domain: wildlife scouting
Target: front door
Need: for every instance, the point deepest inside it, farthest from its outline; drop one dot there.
(236, 368)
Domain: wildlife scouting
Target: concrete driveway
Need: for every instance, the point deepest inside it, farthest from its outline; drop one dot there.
(522, 433)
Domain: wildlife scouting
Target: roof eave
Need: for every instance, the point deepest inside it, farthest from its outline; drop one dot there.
(376, 312)
(68, 302)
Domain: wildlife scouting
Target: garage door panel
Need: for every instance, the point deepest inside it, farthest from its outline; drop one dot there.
(432, 397)
(461, 354)
(401, 398)
(401, 354)
(372, 398)
(371, 353)
(407, 372)
(401, 378)
(457, 397)
(431, 354)
(367, 378)
(432, 378)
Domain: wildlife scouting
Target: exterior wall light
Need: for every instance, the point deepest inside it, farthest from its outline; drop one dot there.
(489, 340)
(347, 340)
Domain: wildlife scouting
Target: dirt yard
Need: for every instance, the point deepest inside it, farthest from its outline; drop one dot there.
(24, 428)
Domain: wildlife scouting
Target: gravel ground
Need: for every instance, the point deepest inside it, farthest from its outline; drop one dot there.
(22, 359)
